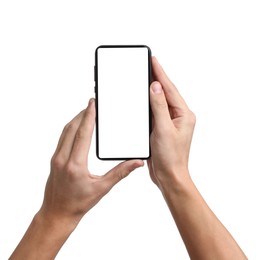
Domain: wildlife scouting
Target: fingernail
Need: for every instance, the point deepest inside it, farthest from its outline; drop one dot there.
(157, 88)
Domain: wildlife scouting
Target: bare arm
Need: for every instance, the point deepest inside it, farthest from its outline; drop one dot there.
(71, 190)
(203, 234)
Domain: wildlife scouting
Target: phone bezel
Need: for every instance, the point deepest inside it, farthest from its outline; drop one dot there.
(96, 97)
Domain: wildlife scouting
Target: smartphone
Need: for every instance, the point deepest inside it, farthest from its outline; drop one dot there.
(123, 113)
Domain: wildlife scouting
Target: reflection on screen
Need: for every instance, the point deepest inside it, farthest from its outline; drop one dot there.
(123, 102)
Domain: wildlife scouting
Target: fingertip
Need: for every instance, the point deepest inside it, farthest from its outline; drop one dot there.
(134, 164)
(156, 87)
(155, 61)
(91, 101)
(139, 163)
(154, 58)
(121, 171)
(91, 105)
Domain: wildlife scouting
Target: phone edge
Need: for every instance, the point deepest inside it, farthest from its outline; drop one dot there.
(96, 97)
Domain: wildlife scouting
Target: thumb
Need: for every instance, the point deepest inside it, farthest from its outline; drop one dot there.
(159, 104)
(120, 171)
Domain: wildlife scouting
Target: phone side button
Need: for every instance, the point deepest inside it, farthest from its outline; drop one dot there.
(94, 73)
(95, 89)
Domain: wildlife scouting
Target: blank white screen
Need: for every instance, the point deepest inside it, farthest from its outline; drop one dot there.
(123, 102)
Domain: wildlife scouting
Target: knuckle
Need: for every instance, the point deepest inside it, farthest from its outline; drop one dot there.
(121, 174)
(75, 171)
(57, 162)
(161, 104)
(192, 118)
(80, 134)
(70, 127)
(71, 168)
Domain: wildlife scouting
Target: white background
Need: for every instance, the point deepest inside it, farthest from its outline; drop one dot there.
(210, 49)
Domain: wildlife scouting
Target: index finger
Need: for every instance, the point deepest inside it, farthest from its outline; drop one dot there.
(82, 139)
(174, 99)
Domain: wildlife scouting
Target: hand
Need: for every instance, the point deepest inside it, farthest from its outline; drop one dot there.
(71, 189)
(204, 235)
(173, 125)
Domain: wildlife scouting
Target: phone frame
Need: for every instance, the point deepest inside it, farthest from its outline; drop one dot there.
(96, 96)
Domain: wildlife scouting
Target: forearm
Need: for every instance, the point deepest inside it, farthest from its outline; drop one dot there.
(43, 239)
(203, 234)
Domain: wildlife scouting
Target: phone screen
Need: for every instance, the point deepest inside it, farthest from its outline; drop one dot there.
(122, 75)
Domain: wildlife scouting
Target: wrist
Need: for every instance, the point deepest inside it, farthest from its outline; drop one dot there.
(175, 181)
(44, 238)
(52, 232)
(173, 178)
(55, 224)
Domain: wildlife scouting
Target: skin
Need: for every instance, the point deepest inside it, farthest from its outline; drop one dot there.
(203, 234)
(71, 190)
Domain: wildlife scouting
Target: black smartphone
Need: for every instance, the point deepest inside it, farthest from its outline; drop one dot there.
(123, 113)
